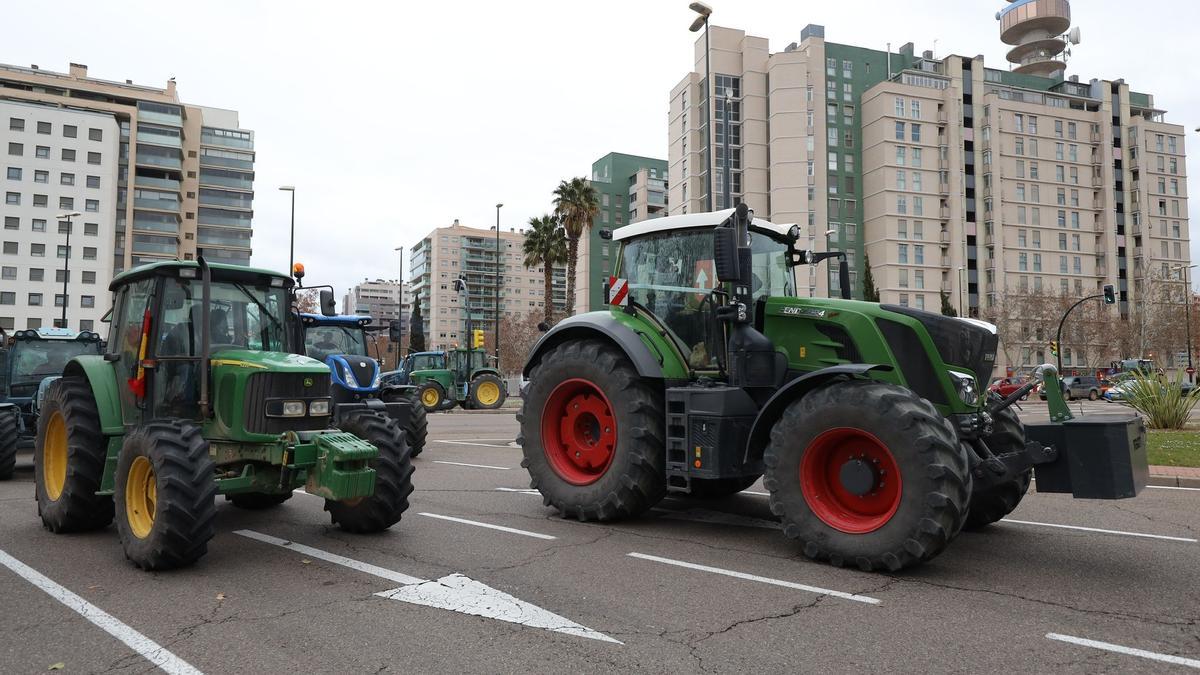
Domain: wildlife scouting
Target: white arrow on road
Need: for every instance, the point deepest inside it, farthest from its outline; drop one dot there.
(454, 592)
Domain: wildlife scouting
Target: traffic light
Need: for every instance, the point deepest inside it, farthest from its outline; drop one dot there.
(477, 338)
(395, 331)
(1110, 294)
(1054, 347)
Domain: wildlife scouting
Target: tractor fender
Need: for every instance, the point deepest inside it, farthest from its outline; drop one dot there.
(600, 325)
(760, 431)
(103, 380)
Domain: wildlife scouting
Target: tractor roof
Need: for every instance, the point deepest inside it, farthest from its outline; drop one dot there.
(48, 333)
(220, 272)
(348, 320)
(691, 220)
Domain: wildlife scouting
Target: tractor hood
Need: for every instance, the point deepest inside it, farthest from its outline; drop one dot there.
(968, 343)
(278, 362)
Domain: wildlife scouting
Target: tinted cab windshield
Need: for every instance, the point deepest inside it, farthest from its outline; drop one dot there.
(321, 342)
(32, 361)
(241, 316)
(427, 362)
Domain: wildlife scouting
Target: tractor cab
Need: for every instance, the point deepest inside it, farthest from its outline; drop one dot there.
(32, 359)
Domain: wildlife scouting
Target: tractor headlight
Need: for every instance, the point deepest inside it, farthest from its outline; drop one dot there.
(293, 408)
(348, 376)
(319, 408)
(964, 384)
(378, 379)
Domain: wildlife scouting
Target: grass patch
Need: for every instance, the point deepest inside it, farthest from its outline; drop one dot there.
(1173, 448)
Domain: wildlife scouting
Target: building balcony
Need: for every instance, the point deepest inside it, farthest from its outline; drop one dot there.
(1097, 181)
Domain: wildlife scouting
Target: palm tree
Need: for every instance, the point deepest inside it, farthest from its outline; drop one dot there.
(576, 204)
(546, 245)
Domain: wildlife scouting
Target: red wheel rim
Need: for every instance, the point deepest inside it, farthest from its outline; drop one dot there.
(579, 432)
(858, 508)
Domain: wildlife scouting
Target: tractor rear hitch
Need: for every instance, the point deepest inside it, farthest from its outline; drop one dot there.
(991, 469)
(996, 406)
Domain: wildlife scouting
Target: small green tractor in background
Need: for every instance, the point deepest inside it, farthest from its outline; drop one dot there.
(29, 361)
(868, 423)
(201, 392)
(456, 376)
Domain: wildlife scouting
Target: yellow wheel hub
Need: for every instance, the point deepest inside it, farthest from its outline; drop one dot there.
(141, 496)
(430, 397)
(487, 393)
(54, 456)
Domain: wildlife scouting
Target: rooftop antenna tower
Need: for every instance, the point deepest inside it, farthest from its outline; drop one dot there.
(1039, 31)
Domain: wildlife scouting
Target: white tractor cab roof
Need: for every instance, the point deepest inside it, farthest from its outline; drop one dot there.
(690, 220)
(49, 333)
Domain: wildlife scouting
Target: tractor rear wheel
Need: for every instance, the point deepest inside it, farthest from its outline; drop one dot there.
(487, 392)
(715, 488)
(257, 501)
(990, 504)
(592, 433)
(9, 423)
(417, 429)
(165, 493)
(868, 474)
(68, 459)
(431, 395)
(393, 476)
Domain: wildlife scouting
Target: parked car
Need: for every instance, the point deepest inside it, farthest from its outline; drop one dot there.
(1078, 386)
(1005, 386)
(1118, 391)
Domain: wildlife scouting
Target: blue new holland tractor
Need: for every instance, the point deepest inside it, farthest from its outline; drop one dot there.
(340, 342)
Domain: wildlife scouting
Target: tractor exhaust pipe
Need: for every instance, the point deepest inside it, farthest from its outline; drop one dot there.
(206, 338)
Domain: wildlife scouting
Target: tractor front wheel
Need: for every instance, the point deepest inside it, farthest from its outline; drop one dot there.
(868, 474)
(68, 459)
(487, 392)
(9, 423)
(165, 494)
(990, 504)
(393, 476)
(592, 433)
(431, 395)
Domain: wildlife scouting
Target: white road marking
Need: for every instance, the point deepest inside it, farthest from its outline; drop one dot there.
(489, 526)
(476, 440)
(752, 492)
(1096, 529)
(477, 466)
(717, 518)
(1172, 487)
(481, 445)
(144, 646)
(753, 577)
(525, 491)
(453, 592)
(1120, 649)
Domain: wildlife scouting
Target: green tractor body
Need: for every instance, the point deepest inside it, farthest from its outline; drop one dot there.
(199, 394)
(457, 376)
(868, 423)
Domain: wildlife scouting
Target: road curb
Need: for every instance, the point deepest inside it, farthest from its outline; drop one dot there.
(1174, 481)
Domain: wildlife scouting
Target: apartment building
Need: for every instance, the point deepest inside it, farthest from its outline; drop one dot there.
(184, 173)
(382, 300)
(958, 182)
(448, 252)
(630, 188)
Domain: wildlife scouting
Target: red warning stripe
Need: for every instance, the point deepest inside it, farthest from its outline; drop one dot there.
(618, 291)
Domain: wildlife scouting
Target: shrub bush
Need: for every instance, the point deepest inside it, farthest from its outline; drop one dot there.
(1164, 403)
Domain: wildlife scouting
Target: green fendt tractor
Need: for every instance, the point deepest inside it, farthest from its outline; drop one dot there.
(200, 393)
(456, 376)
(867, 422)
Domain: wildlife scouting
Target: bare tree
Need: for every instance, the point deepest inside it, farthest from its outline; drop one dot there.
(520, 333)
(306, 302)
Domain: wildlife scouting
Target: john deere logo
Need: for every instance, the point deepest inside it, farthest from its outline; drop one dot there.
(308, 381)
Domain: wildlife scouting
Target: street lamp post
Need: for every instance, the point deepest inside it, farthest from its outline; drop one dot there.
(701, 21)
(399, 306)
(496, 298)
(292, 237)
(66, 259)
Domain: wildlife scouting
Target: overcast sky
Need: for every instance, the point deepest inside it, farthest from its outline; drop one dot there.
(395, 118)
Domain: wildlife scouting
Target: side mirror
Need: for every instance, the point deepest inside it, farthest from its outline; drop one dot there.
(328, 305)
(725, 254)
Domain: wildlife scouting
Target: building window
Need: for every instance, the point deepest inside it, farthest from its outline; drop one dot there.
(95, 134)
(901, 204)
(93, 158)
(89, 253)
(900, 155)
(899, 131)
(89, 277)
(93, 182)
(12, 198)
(16, 149)
(92, 205)
(39, 225)
(12, 223)
(11, 248)
(902, 253)
(68, 155)
(91, 229)
(916, 109)
(41, 176)
(35, 299)
(847, 68)
(43, 128)
(37, 250)
(70, 131)
(899, 107)
(14, 173)
(16, 124)
(66, 178)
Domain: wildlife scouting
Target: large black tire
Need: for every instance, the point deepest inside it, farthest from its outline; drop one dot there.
(9, 423)
(432, 396)
(631, 478)
(257, 501)
(70, 412)
(993, 503)
(928, 503)
(417, 429)
(480, 402)
(715, 488)
(393, 476)
(182, 506)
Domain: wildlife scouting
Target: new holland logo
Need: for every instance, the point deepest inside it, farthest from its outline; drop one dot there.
(308, 382)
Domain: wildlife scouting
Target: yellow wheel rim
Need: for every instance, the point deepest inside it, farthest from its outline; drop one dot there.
(430, 397)
(487, 393)
(54, 456)
(141, 496)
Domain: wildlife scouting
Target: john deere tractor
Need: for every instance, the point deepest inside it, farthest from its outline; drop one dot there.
(200, 393)
(868, 423)
(456, 376)
(340, 342)
(29, 360)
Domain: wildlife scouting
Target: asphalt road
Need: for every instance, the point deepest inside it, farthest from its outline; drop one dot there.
(694, 586)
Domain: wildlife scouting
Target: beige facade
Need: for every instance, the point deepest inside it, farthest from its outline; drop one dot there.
(951, 178)
(185, 178)
(448, 252)
(384, 300)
